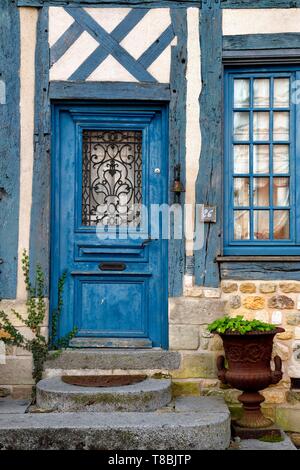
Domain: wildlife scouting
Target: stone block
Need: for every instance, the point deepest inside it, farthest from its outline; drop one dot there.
(229, 287)
(286, 335)
(194, 291)
(276, 317)
(290, 287)
(281, 350)
(267, 288)
(114, 431)
(206, 404)
(288, 418)
(210, 383)
(16, 371)
(297, 332)
(230, 395)
(5, 392)
(205, 337)
(97, 359)
(148, 395)
(293, 396)
(200, 364)
(235, 301)
(236, 411)
(185, 389)
(20, 307)
(274, 395)
(212, 293)
(248, 288)
(293, 319)
(216, 343)
(20, 392)
(254, 302)
(10, 350)
(262, 315)
(193, 311)
(183, 337)
(281, 302)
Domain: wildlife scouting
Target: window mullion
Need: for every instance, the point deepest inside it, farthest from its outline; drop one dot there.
(251, 162)
(271, 159)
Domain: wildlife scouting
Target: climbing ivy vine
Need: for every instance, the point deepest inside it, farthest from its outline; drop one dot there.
(38, 344)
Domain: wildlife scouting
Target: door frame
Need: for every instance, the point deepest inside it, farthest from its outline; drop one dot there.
(61, 105)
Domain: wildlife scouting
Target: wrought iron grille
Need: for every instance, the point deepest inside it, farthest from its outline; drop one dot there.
(111, 177)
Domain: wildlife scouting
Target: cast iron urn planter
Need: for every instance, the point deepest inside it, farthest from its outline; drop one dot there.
(249, 369)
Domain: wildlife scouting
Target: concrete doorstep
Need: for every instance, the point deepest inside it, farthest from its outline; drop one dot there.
(187, 424)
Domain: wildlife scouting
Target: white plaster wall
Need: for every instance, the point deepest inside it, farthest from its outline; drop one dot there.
(136, 42)
(28, 22)
(193, 134)
(261, 21)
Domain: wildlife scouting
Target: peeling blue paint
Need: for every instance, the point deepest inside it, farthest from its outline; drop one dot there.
(9, 147)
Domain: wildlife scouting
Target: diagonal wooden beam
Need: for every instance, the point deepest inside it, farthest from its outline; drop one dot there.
(99, 55)
(110, 44)
(65, 41)
(154, 51)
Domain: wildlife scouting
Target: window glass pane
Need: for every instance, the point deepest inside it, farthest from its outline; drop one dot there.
(281, 159)
(241, 191)
(111, 177)
(241, 158)
(261, 192)
(241, 93)
(261, 159)
(281, 225)
(260, 126)
(281, 126)
(281, 92)
(241, 225)
(281, 191)
(261, 92)
(241, 126)
(261, 225)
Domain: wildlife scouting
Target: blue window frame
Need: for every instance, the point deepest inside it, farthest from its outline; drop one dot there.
(262, 162)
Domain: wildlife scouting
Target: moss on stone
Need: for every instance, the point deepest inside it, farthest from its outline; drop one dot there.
(185, 389)
(160, 375)
(236, 411)
(271, 438)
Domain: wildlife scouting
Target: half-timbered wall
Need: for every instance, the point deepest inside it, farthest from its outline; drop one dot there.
(170, 51)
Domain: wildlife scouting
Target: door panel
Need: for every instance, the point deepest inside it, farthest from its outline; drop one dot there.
(104, 163)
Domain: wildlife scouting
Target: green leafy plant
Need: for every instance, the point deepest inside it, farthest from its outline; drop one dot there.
(38, 344)
(239, 325)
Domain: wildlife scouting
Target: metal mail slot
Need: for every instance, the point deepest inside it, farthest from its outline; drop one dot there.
(112, 266)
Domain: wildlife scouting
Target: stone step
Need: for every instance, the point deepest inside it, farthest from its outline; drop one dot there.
(148, 395)
(199, 423)
(110, 359)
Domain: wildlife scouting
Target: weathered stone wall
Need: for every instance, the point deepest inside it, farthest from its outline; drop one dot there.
(189, 316)
(277, 302)
(16, 371)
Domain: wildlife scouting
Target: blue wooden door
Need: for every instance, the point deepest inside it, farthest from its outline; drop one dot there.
(109, 167)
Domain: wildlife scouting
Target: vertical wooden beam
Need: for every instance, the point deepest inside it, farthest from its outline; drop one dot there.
(40, 212)
(9, 146)
(177, 131)
(209, 180)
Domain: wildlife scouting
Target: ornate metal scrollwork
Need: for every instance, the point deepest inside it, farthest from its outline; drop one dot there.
(111, 177)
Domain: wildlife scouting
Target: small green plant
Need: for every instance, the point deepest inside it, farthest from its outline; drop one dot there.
(238, 325)
(38, 344)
